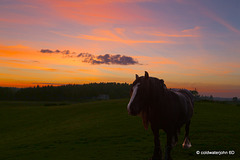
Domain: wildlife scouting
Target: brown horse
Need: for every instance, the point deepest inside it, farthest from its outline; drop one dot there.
(164, 109)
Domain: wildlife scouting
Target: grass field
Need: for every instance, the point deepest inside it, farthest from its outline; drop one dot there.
(104, 131)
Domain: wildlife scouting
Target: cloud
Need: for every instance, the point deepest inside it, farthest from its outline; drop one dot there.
(46, 51)
(174, 35)
(118, 39)
(109, 59)
(18, 60)
(65, 53)
(49, 51)
(110, 37)
(117, 1)
(24, 66)
(98, 12)
(189, 33)
(221, 21)
(196, 28)
(84, 55)
(19, 46)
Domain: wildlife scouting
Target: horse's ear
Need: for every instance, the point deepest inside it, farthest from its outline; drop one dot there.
(146, 75)
(137, 76)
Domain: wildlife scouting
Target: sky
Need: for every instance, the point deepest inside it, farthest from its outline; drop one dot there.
(189, 44)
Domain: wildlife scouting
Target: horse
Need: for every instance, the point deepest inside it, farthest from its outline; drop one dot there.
(164, 109)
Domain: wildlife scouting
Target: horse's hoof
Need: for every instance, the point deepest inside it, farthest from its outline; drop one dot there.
(186, 144)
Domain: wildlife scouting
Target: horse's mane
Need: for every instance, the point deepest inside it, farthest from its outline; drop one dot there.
(157, 87)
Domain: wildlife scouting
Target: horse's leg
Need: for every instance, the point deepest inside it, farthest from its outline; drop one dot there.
(187, 143)
(169, 146)
(175, 139)
(157, 154)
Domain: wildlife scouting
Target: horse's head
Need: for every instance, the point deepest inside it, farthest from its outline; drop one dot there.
(139, 95)
(145, 90)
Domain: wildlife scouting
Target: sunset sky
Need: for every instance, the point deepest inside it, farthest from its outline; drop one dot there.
(189, 44)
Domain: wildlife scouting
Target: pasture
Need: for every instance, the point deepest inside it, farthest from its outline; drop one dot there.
(103, 130)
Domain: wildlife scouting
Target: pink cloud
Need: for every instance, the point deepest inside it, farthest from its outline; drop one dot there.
(99, 12)
(221, 21)
(191, 30)
(171, 33)
(106, 35)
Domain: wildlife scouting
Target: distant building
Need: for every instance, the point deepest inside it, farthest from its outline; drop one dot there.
(103, 97)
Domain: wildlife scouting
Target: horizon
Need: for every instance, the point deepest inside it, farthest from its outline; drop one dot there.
(59, 85)
(189, 44)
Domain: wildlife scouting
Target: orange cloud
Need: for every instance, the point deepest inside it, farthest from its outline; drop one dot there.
(172, 35)
(157, 60)
(19, 46)
(29, 56)
(97, 12)
(120, 31)
(109, 36)
(191, 33)
(127, 41)
(115, 1)
(22, 66)
(25, 65)
(122, 70)
(196, 28)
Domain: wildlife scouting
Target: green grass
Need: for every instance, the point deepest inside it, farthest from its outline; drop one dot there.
(104, 131)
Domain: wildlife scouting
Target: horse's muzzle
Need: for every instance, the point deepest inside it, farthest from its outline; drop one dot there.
(133, 112)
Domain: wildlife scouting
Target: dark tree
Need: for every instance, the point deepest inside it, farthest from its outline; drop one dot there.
(235, 99)
(73, 92)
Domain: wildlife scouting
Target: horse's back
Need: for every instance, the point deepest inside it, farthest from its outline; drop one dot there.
(186, 103)
(188, 95)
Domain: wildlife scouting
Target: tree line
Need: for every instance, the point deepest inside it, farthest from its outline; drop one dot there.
(70, 92)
